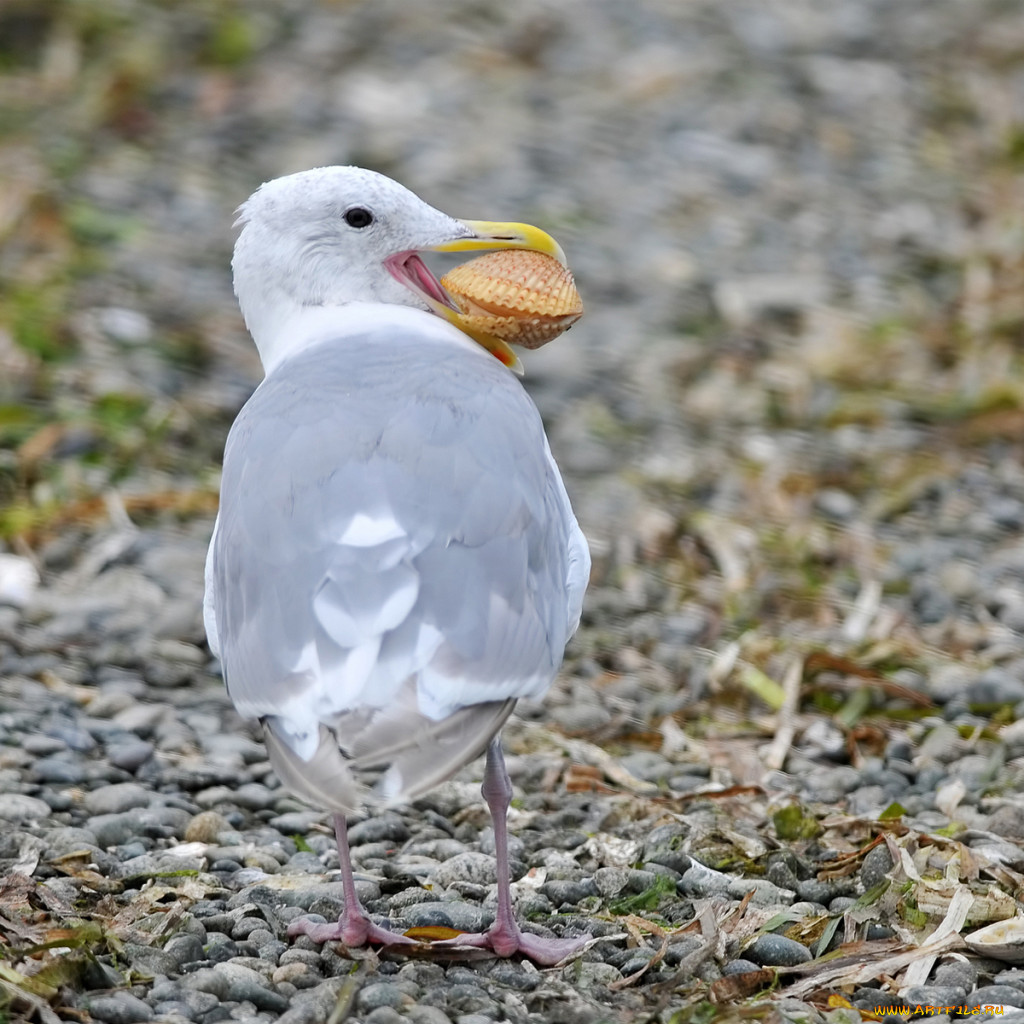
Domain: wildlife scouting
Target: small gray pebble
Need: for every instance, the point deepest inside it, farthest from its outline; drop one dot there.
(877, 864)
(782, 875)
(131, 755)
(173, 1010)
(830, 785)
(150, 959)
(306, 862)
(381, 993)
(246, 985)
(466, 867)
(123, 1008)
(588, 974)
(314, 1004)
(185, 949)
(647, 765)
(427, 915)
(299, 976)
(74, 737)
(117, 799)
(208, 980)
(451, 914)
(384, 1015)
(426, 975)
(301, 956)
(299, 823)
(469, 999)
(934, 995)
(1007, 821)
(272, 951)
(816, 891)
(1007, 512)
(684, 628)
(245, 926)
(1014, 977)
(869, 999)
(425, 1014)
(666, 857)
(942, 744)
(634, 964)
(777, 951)
(99, 975)
(18, 807)
(625, 881)
(958, 974)
(42, 746)
(411, 897)
(681, 948)
(989, 995)
(930, 604)
(206, 827)
(834, 503)
(581, 717)
(383, 828)
(254, 796)
(513, 975)
(766, 894)
(610, 881)
(59, 771)
(58, 802)
(867, 801)
(700, 881)
(561, 891)
(740, 966)
(439, 849)
(260, 937)
(131, 850)
(114, 829)
(151, 864)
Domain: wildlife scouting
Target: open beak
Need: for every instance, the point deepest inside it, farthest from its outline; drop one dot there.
(408, 268)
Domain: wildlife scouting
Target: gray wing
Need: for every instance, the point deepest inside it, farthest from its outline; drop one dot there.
(394, 553)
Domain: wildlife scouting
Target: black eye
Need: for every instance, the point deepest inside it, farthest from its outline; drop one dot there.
(358, 217)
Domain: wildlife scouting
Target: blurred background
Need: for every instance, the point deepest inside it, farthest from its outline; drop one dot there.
(790, 421)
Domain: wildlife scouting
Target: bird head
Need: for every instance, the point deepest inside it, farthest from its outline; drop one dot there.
(338, 235)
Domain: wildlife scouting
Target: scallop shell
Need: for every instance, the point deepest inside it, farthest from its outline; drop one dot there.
(1002, 940)
(517, 295)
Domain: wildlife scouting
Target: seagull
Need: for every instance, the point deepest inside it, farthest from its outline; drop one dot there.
(395, 561)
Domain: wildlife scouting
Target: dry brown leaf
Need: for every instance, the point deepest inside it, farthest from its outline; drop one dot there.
(868, 966)
(787, 717)
(432, 933)
(636, 925)
(740, 986)
(959, 907)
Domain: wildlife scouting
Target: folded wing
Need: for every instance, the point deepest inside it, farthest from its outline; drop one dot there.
(394, 564)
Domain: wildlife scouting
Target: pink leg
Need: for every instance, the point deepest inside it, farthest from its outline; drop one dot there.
(354, 927)
(504, 937)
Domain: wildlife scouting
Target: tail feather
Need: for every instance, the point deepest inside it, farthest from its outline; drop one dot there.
(422, 753)
(418, 753)
(325, 780)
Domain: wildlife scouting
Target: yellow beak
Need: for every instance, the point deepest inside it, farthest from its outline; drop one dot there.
(490, 234)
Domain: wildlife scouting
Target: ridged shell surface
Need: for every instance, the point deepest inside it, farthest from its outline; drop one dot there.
(518, 295)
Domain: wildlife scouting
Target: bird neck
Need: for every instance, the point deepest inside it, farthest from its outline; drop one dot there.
(289, 330)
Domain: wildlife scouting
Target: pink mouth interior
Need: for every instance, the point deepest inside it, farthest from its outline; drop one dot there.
(408, 268)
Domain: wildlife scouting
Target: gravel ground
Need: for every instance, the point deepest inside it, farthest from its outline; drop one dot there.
(791, 425)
